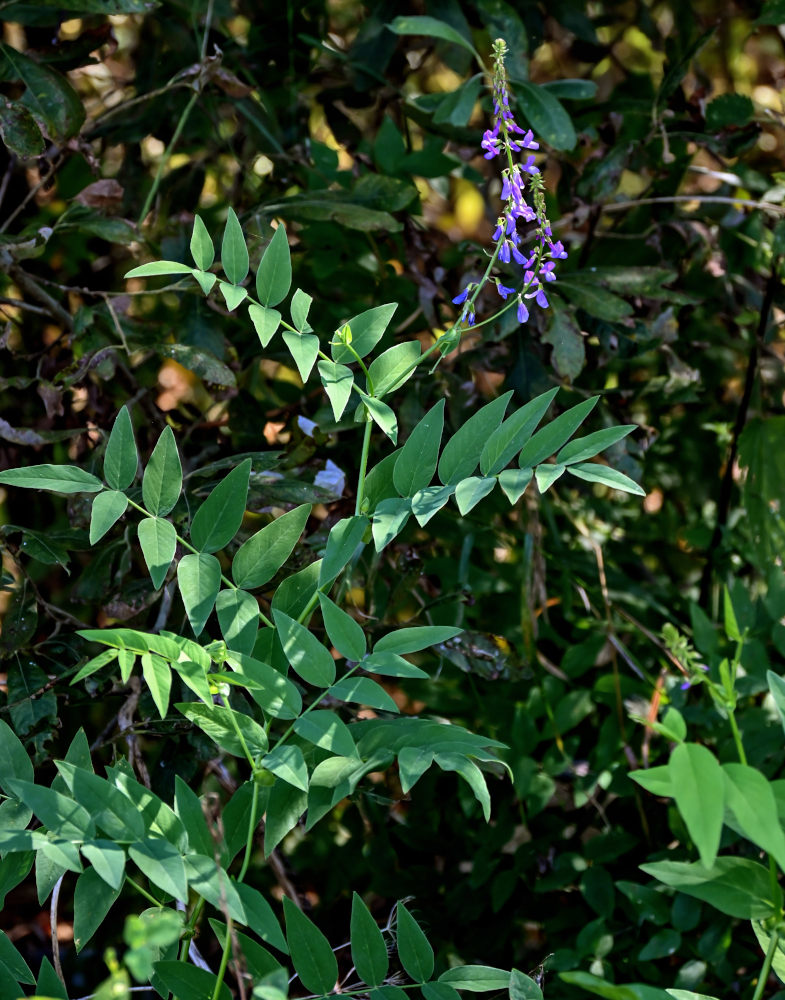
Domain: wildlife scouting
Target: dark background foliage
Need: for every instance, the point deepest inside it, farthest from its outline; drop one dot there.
(663, 131)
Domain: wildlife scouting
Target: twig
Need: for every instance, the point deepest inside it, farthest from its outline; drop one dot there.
(53, 929)
(55, 166)
(28, 284)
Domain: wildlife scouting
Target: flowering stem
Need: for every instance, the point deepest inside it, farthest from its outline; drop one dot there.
(363, 466)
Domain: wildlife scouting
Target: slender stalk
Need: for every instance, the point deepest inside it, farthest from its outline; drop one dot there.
(766, 967)
(737, 736)
(251, 831)
(167, 156)
(144, 892)
(363, 468)
(190, 929)
(227, 947)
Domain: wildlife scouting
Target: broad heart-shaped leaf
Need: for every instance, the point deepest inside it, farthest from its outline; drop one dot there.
(199, 580)
(184, 980)
(221, 725)
(514, 482)
(57, 812)
(155, 267)
(396, 363)
(337, 381)
(112, 811)
(49, 96)
(433, 28)
(324, 729)
(310, 951)
(586, 447)
(265, 321)
(344, 537)
(369, 952)
(306, 655)
(416, 463)
(234, 252)
(389, 520)
(57, 478)
(238, 618)
(462, 452)
(364, 691)
(342, 630)
(367, 329)
(546, 441)
(412, 640)
(16, 763)
(163, 476)
(736, 886)
(546, 115)
(108, 507)
(476, 978)
(158, 677)
(159, 541)
(414, 951)
(469, 492)
(274, 277)
(750, 798)
(288, 763)
(260, 558)
(699, 791)
(218, 519)
(93, 899)
(593, 472)
(304, 348)
(513, 434)
(121, 458)
(202, 249)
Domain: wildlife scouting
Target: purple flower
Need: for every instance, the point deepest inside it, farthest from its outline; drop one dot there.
(540, 299)
(462, 297)
(504, 253)
(523, 312)
(547, 271)
(503, 290)
(557, 251)
(497, 233)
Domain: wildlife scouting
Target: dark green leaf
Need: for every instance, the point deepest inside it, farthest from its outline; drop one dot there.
(265, 321)
(414, 951)
(736, 886)
(202, 249)
(369, 951)
(364, 691)
(306, 655)
(337, 381)
(221, 725)
(592, 444)
(287, 762)
(19, 131)
(417, 460)
(462, 452)
(546, 115)
(393, 367)
(121, 458)
(546, 441)
(49, 97)
(93, 898)
(163, 476)
(16, 763)
(312, 956)
(234, 252)
(199, 580)
(108, 507)
(57, 478)
(512, 435)
(366, 330)
(238, 617)
(304, 349)
(433, 28)
(260, 558)
(324, 729)
(158, 540)
(274, 277)
(343, 631)
(163, 864)
(344, 537)
(184, 980)
(218, 519)
(592, 472)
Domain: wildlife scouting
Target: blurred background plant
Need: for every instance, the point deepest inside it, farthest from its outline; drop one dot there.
(661, 131)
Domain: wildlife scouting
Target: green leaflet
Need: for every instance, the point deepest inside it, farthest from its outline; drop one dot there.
(234, 252)
(508, 439)
(325, 729)
(238, 618)
(343, 631)
(199, 580)
(163, 476)
(550, 438)
(393, 367)
(221, 725)
(219, 518)
(108, 507)
(306, 655)
(462, 452)
(274, 277)
(288, 763)
(57, 478)
(342, 541)
(369, 951)
(121, 458)
(414, 951)
(158, 677)
(260, 558)
(736, 886)
(304, 349)
(337, 381)
(416, 463)
(184, 980)
(158, 540)
(367, 329)
(310, 951)
(265, 321)
(699, 790)
(93, 899)
(202, 249)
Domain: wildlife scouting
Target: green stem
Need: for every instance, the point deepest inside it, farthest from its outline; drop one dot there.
(314, 704)
(224, 958)
(186, 545)
(143, 892)
(190, 929)
(736, 736)
(251, 831)
(363, 467)
(167, 156)
(766, 967)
